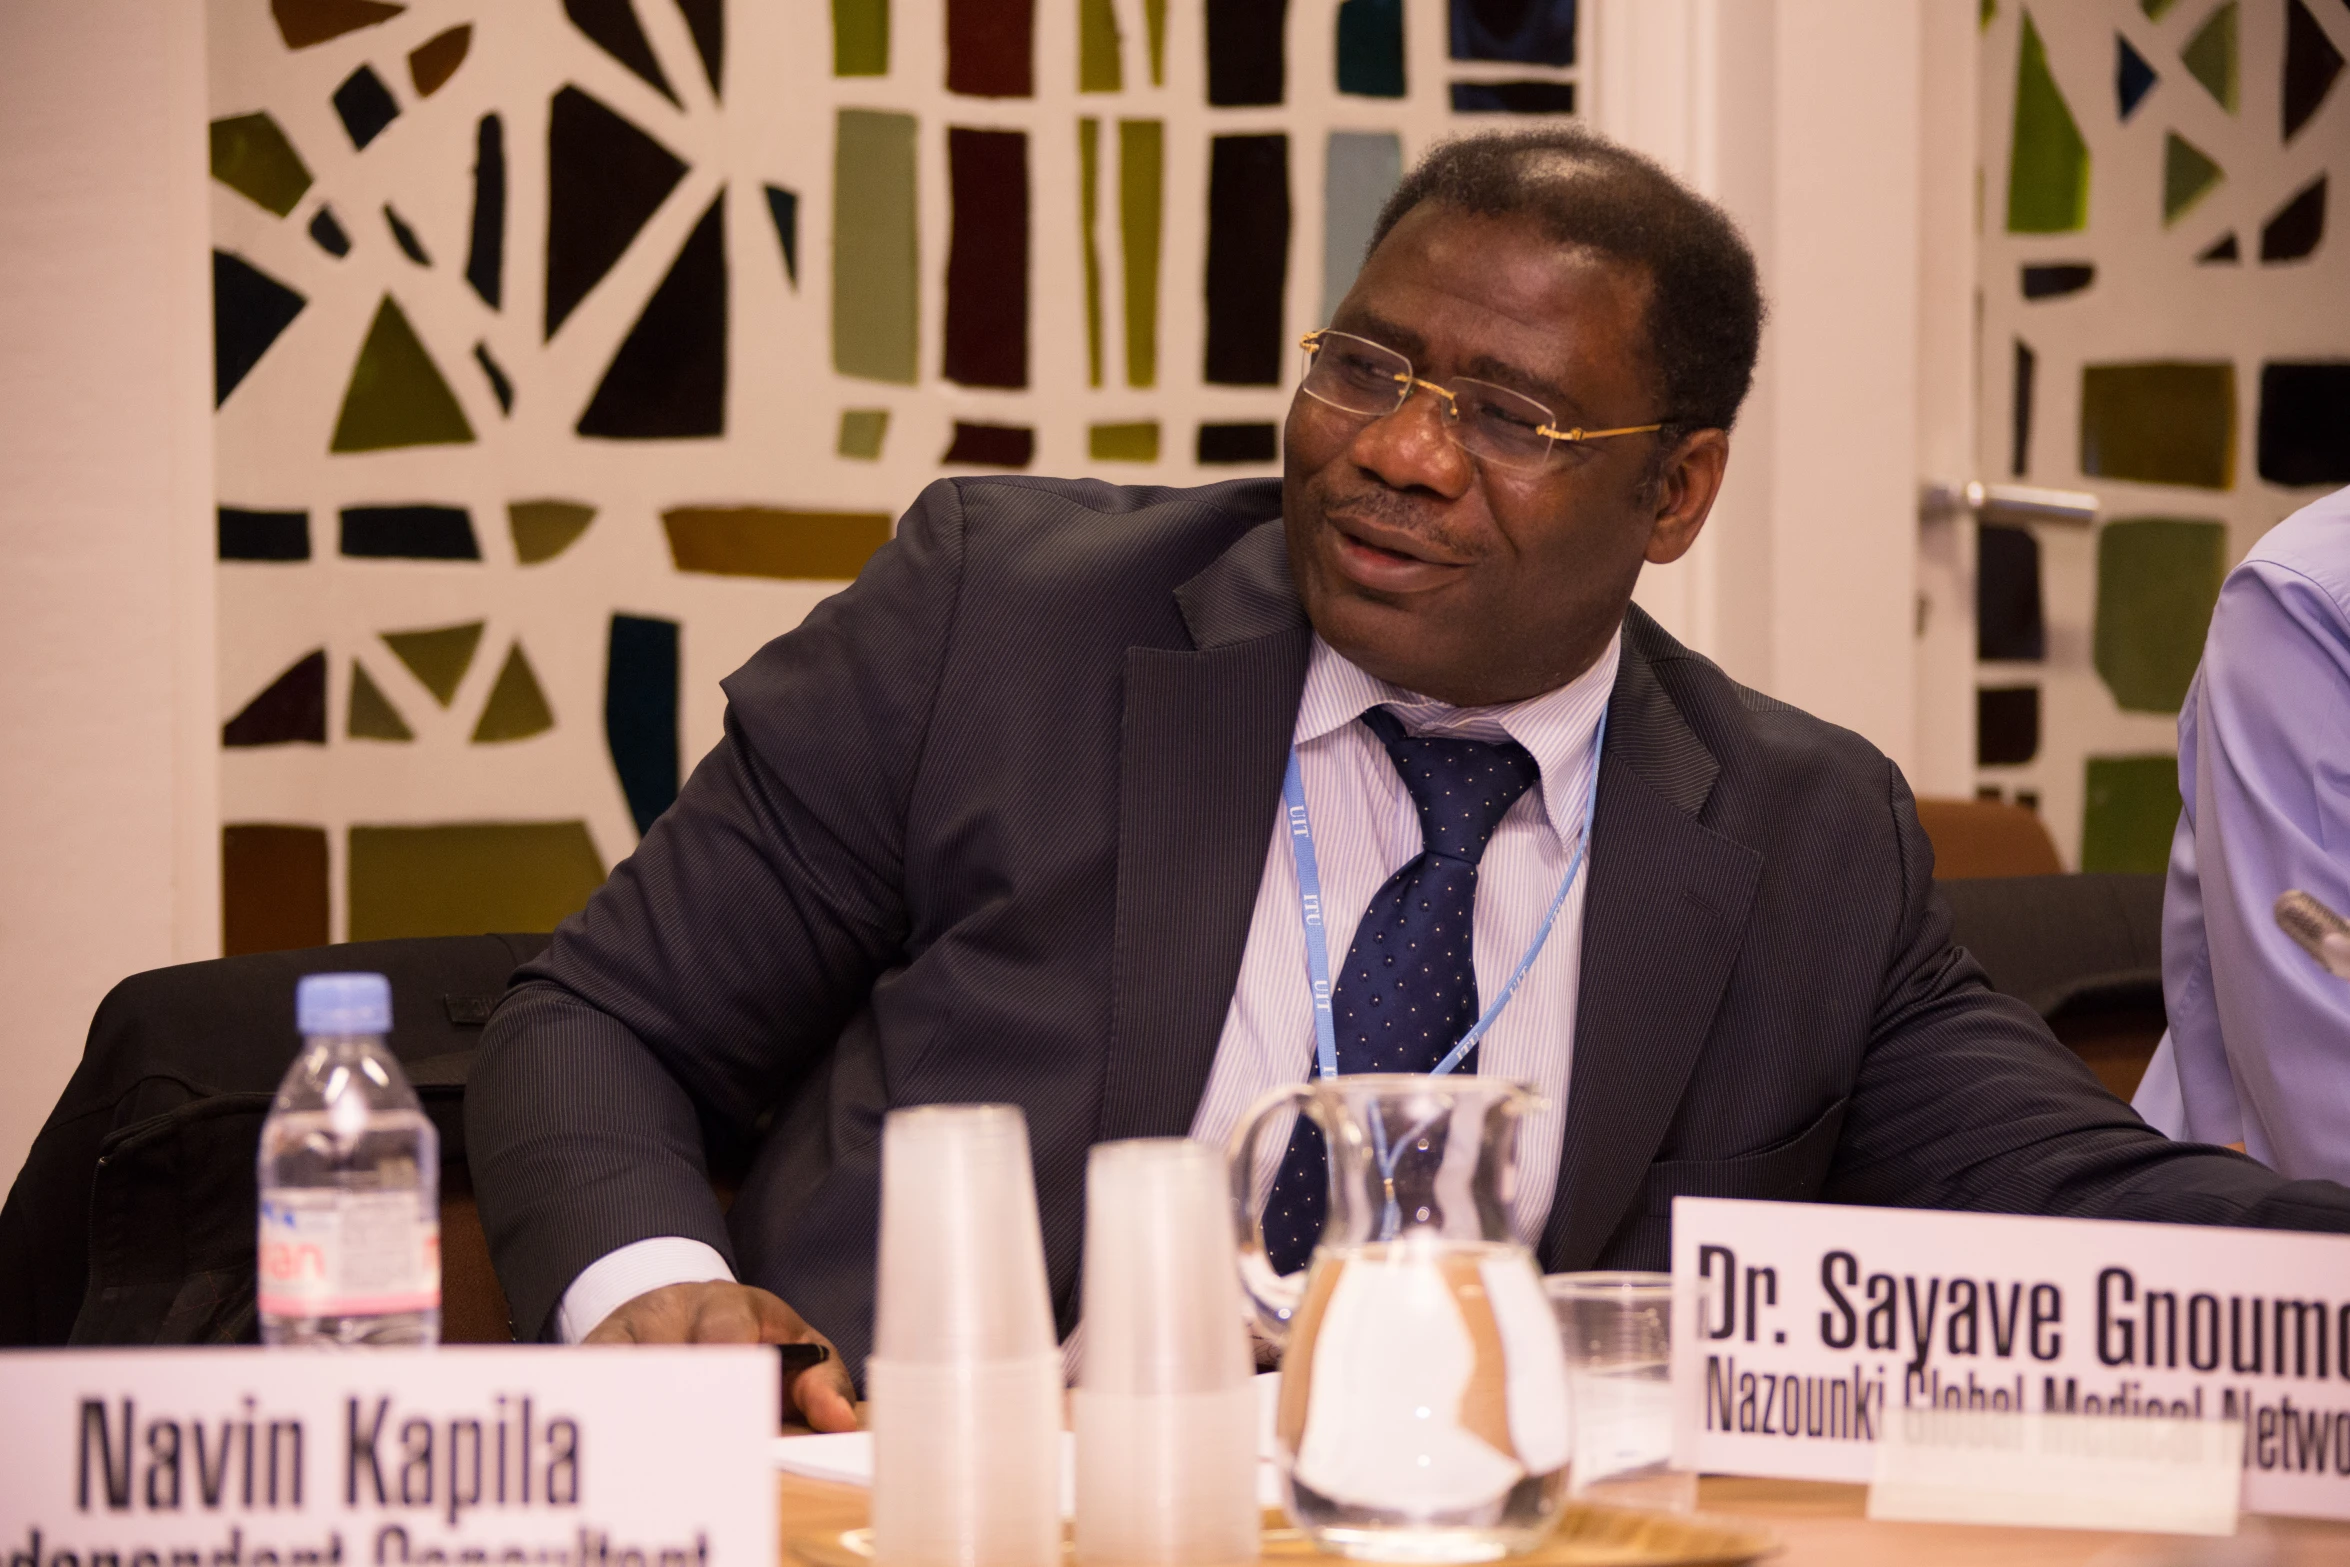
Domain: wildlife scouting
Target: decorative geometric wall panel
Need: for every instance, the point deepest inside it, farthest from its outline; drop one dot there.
(2223, 249)
(672, 323)
(2010, 622)
(2311, 64)
(291, 709)
(2157, 581)
(2132, 76)
(468, 878)
(2019, 447)
(2048, 162)
(1531, 32)
(1530, 97)
(2305, 422)
(2054, 281)
(2007, 725)
(2298, 226)
(273, 887)
(2160, 422)
(2132, 810)
(2188, 175)
(2210, 55)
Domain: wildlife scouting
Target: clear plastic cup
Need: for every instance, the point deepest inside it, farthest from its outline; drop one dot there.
(1166, 1411)
(965, 1377)
(1617, 1330)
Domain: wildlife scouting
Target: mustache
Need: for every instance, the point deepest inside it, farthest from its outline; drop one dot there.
(1391, 509)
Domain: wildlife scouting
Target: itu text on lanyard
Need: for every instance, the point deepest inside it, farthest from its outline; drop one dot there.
(1309, 898)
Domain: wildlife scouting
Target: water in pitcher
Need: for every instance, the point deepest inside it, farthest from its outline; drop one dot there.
(1427, 1419)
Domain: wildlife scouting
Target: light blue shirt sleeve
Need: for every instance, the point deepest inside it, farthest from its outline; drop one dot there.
(2259, 1043)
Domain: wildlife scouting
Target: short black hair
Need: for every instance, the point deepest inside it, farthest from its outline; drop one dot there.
(1705, 307)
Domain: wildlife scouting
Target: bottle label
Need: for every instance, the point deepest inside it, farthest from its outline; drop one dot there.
(347, 1254)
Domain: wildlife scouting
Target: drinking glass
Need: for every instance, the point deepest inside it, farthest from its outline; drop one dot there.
(1617, 1332)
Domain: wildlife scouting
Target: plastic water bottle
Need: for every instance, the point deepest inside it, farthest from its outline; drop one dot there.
(350, 1246)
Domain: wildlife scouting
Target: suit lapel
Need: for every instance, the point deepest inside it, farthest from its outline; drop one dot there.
(1662, 925)
(1204, 737)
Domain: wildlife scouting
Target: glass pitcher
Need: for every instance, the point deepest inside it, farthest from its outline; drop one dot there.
(1424, 1413)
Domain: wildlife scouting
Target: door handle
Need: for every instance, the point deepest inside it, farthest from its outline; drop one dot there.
(2007, 503)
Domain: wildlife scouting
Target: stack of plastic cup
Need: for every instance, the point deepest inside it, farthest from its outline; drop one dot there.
(1166, 1407)
(965, 1375)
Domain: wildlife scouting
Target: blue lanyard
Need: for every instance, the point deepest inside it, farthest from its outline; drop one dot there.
(1309, 898)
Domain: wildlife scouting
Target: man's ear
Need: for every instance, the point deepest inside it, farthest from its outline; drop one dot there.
(1684, 492)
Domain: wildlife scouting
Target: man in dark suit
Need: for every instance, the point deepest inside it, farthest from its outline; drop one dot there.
(1002, 821)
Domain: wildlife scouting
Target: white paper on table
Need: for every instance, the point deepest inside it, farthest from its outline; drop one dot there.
(846, 1457)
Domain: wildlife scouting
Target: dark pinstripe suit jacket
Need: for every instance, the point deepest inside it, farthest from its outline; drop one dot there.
(990, 824)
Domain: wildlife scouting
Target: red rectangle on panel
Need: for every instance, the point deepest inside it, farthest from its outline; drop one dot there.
(987, 258)
(991, 48)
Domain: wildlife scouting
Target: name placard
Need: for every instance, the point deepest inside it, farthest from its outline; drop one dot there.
(388, 1458)
(1802, 1328)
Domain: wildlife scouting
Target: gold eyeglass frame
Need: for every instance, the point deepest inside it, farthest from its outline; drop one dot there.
(1406, 382)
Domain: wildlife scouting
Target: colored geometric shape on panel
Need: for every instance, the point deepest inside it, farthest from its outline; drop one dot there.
(371, 715)
(2027, 365)
(668, 380)
(991, 445)
(2160, 422)
(408, 533)
(2007, 725)
(1531, 32)
(500, 388)
(2187, 176)
(289, 710)
(1247, 51)
(2133, 78)
(249, 309)
(605, 178)
(875, 286)
(517, 708)
(1985, 10)
(640, 713)
(543, 530)
(1370, 48)
(1133, 442)
(1536, 97)
(2298, 226)
(2157, 580)
(2047, 161)
(302, 23)
(366, 106)
(1099, 67)
(2155, 9)
(1154, 22)
(862, 431)
(329, 233)
(1361, 170)
(2311, 64)
(437, 656)
(469, 878)
(2056, 279)
(485, 256)
(706, 21)
(2010, 622)
(1089, 211)
(1248, 258)
(991, 47)
(264, 535)
(2130, 810)
(273, 888)
(396, 396)
(433, 62)
(1238, 443)
(2210, 55)
(860, 37)
(783, 207)
(252, 157)
(769, 541)
(2305, 422)
(1141, 183)
(613, 27)
(2222, 249)
(987, 258)
(405, 237)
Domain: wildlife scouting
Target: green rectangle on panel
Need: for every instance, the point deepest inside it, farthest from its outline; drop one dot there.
(2160, 422)
(768, 541)
(1098, 65)
(860, 37)
(1089, 179)
(1137, 442)
(2131, 810)
(1141, 174)
(875, 270)
(2157, 582)
(469, 878)
(862, 431)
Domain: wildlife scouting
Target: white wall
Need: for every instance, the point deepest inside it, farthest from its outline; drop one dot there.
(108, 848)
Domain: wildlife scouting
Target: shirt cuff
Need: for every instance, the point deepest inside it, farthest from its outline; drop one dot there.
(618, 1277)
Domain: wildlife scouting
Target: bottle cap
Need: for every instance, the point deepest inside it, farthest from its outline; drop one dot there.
(343, 1004)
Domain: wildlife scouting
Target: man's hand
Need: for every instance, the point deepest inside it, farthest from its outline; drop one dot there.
(723, 1313)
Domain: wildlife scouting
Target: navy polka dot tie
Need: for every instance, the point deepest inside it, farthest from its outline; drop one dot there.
(1408, 990)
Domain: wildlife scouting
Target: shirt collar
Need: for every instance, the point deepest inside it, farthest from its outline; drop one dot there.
(1556, 728)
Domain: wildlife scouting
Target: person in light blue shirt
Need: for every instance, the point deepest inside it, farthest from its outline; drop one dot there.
(2258, 1053)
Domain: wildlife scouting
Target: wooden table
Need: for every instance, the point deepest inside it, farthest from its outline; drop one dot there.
(1824, 1526)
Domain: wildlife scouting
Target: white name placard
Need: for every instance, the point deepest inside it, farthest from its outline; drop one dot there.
(388, 1458)
(1801, 1328)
